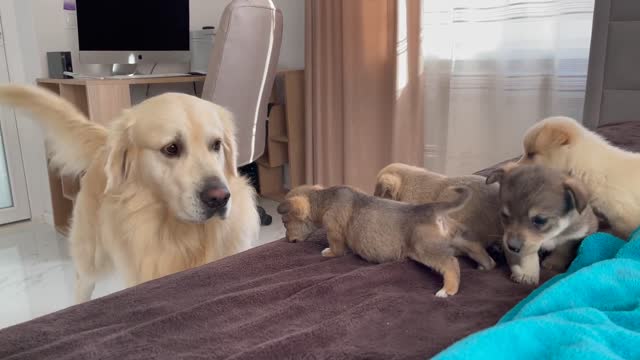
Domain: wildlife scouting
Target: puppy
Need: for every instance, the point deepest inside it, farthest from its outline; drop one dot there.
(415, 185)
(160, 191)
(542, 209)
(611, 175)
(381, 230)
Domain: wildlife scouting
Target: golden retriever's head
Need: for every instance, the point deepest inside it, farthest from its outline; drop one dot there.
(296, 213)
(549, 142)
(180, 148)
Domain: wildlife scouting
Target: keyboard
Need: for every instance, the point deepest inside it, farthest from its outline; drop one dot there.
(124, 77)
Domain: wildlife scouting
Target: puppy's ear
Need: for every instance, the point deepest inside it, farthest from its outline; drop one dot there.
(119, 160)
(556, 134)
(284, 207)
(576, 195)
(296, 206)
(495, 177)
(229, 142)
(387, 186)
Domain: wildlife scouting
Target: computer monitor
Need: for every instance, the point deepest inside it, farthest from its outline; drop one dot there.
(129, 32)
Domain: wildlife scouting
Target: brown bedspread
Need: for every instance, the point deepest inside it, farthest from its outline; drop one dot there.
(279, 301)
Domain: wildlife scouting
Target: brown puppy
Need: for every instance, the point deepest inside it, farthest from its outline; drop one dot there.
(414, 185)
(543, 209)
(381, 230)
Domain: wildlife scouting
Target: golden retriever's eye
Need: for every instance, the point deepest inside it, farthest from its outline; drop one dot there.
(215, 146)
(531, 155)
(171, 150)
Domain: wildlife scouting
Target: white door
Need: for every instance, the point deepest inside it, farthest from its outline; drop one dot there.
(14, 201)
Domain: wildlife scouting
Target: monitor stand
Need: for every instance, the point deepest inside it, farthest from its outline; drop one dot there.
(124, 69)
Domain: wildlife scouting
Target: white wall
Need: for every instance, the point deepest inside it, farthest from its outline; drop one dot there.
(24, 67)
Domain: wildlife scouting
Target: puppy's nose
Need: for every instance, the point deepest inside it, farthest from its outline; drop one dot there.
(214, 194)
(514, 245)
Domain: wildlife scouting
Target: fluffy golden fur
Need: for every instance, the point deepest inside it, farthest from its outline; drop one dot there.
(140, 208)
(382, 230)
(610, 174)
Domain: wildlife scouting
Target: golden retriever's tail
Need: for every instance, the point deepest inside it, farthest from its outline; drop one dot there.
(73, 141)
(464, 195)
(387, 185)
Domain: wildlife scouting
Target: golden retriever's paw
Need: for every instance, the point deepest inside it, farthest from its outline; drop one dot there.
(555, 263)
(521, 277)
(486, 267)
(328, 253)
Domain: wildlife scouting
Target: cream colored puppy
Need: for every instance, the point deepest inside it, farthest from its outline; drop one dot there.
(611, 175)
(160, 191)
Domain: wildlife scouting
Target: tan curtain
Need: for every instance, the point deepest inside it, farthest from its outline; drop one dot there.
(364, 89)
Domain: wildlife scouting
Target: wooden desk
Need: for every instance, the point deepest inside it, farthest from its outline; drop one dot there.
(101, 101)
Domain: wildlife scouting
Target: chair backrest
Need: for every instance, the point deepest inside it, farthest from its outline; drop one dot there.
(242, 69)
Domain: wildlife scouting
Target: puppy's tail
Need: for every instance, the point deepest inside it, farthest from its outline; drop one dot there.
(464, 195)
(73, 141)
(387, 186)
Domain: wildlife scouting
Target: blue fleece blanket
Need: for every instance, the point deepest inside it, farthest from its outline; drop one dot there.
(590, 312)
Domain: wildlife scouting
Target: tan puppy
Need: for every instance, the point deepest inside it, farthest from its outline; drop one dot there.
(160, 192)
(414, 185)
(542, 209)
(381, 230)
(611, 175)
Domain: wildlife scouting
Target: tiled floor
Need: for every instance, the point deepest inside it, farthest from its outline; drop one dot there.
(36, 273)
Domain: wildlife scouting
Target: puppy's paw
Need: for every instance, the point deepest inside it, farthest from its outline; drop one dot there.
(519, 276)
(486, 267)
(554, 263)
(442, 293)
(328, 253)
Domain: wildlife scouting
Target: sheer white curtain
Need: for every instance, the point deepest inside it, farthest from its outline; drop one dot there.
(495, 67)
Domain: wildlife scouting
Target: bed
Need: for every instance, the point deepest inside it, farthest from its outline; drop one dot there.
(282, 300)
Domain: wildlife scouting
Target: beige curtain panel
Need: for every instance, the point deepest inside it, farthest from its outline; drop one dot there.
(364, 89)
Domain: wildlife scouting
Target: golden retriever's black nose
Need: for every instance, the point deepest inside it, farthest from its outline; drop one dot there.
(214, 194)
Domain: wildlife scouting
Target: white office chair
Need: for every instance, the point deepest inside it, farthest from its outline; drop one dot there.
(242, 69)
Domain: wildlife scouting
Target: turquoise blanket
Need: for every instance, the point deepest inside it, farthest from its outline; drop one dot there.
(590, 312)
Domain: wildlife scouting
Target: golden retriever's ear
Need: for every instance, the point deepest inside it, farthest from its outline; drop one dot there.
(577, 195)
(119, 163)
(297, 206)
(229, 142)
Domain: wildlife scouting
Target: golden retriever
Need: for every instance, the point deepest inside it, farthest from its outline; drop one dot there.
(160, 191)
(611, 175)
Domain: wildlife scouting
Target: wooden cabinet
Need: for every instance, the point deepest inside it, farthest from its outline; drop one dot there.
(285, 136)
